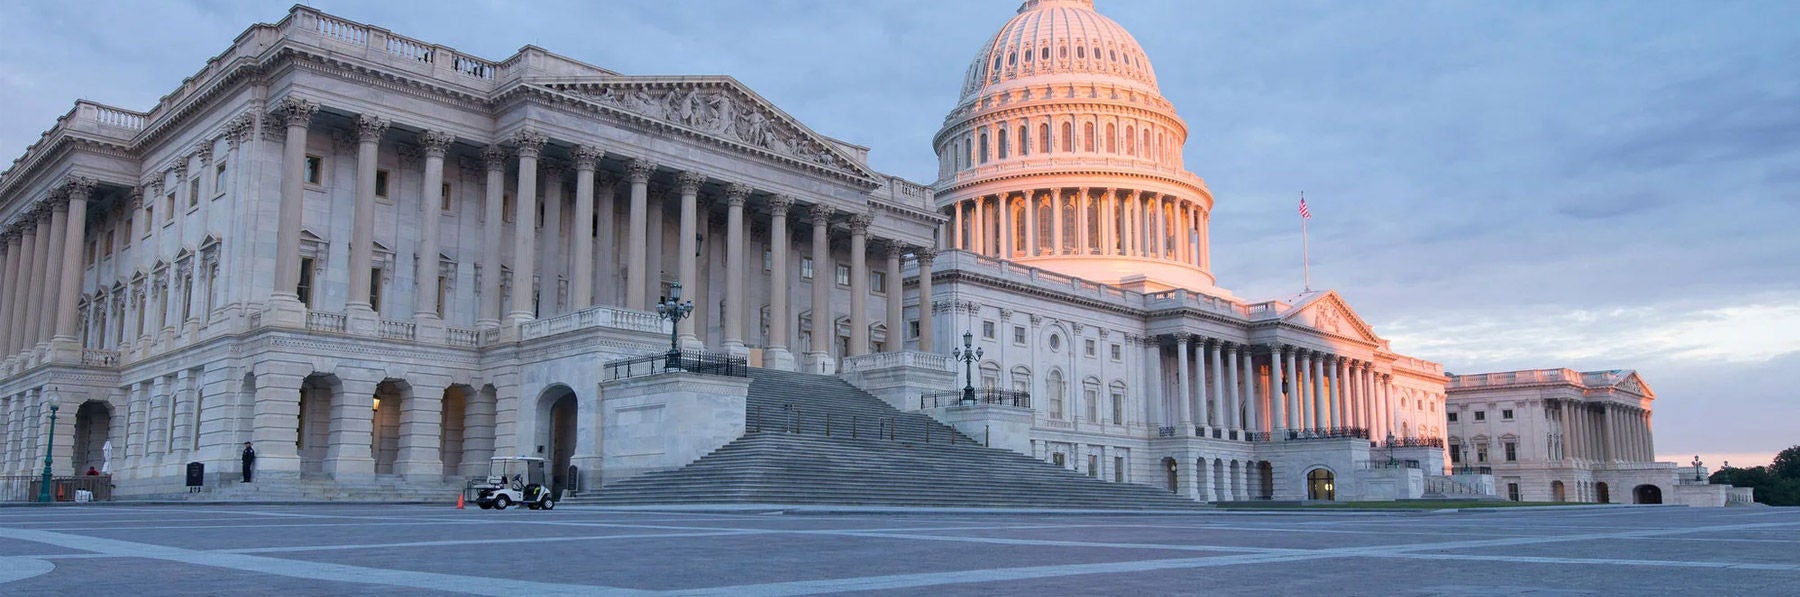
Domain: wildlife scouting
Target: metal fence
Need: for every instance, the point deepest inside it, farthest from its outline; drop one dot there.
(1327, 433)
(982, 395)
(711, 363)
(1414, 442)
(26, 488)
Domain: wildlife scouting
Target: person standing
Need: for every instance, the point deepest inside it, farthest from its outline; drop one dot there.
(249, 461)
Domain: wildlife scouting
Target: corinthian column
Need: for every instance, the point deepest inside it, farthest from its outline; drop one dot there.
(781, 320)
(435, 144)
(735, 195)
(687, 245)
(369, 130)
(76, 193)
(859, 283)
(925, 256)
(297, 114)
(493, 210)
(636, 294)
(9, 267)
(819, 356)
(895, 327)
(581, 281)
(36, 255)
(50, 252)
(1184, 383)
(531, 143)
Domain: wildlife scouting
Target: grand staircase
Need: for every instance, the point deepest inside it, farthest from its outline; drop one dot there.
(814, 439)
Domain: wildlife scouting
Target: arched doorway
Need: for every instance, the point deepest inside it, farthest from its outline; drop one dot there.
(1169, 467)
(557, 410)
(1647, 494)
(1266, 474)
(313, 429)
(93, 423)
(1558, 493)
(1321, 485)
(1604, 495)
(453, 428)
(384, 425)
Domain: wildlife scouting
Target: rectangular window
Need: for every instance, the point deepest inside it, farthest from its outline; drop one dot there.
(169, 207)
(912, 328)
(149, 217)
(1512, 491)
(381, 184)
(987, 330)
(1088, 346)
(1019, 335)
(843, 275)
(506, 208)
(1455, 454)
(125, 239)
(1451, 416)
(1058, 459)
(443, 292)
(1094, 465)
(219, 178)
(444, 202)
(878, 282)
(87, 255)
(194, 192)
(1115, 352)
(1118, 469)
(375, 289)
(315, 169)
(1512, 451)
(540, 214)
(1092, 397)
(1118, 408)
(768, 260)
(106, 244)
(304, 290)
(806, 268)
(187, 299)
(1506, 414)
(1481, 415)
(1481, 453)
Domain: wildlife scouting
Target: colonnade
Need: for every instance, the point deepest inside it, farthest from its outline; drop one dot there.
(41, 253)
(1081, 221)
(1223, 388)
(1604, 431)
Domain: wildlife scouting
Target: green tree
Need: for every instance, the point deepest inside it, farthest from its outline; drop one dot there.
(1787, 464)
(1767, 487)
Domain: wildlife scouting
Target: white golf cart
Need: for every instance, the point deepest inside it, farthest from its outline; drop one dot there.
(511, 480)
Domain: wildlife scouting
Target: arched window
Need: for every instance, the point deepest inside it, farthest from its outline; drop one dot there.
(983, 148)
(1146, 142)
(1044, 54)
(990, 375)
(1112, 134)
(1068, 137)
(1044, 137)
(1054, 390)
(1081, 52)
(1130, 140)
(1087, 143)
(1003, 144)
(1024, 141)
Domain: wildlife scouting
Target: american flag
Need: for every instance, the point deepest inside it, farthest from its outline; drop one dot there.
(1305, 214)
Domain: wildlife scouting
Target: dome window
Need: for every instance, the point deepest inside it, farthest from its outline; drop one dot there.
(996, 63)
(1063, 52)
(1012, 59)
(1028, 55)
(1044, 54)
(1081, 52)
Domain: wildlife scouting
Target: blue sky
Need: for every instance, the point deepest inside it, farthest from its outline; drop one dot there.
(1495, 186)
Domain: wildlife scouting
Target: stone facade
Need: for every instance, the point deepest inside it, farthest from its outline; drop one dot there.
(380, 259)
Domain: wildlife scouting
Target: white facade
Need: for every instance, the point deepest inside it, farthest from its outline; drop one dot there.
(316, 245)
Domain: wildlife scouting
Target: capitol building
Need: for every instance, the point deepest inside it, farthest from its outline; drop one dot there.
(382, 261)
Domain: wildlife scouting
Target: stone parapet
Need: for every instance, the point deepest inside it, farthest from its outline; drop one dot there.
(665, 421)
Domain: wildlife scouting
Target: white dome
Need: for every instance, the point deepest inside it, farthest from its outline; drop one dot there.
(1049, 38)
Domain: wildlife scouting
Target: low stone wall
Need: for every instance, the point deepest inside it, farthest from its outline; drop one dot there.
(665, 421)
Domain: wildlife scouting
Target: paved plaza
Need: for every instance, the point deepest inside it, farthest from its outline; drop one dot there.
(392, 549)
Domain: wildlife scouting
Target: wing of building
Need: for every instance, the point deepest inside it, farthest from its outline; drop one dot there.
(378, 259)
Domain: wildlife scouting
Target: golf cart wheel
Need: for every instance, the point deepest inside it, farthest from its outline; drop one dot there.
(485, 505)
(532, 506)
(501, 502)
(549, 504)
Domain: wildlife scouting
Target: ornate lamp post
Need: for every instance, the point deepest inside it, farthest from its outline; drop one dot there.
(672, 309)
(44, 487)
(1697, 478)
(1390, 444)
(968, 354)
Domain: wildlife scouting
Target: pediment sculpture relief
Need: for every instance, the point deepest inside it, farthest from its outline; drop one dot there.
(715, 111)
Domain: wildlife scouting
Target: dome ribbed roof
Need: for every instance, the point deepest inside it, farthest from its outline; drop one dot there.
(1058, 37)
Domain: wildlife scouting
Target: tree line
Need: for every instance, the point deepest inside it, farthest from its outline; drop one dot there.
(1777, 484)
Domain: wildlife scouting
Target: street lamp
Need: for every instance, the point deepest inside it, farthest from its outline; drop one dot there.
(968, 354)
(44, 487)
(1697, 469)
(1390, 443)
(672, 309)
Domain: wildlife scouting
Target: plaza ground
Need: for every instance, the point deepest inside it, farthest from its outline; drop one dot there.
(407, 550)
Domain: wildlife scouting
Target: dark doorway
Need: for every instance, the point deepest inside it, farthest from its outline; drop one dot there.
(1321, 485)
(1647, 494)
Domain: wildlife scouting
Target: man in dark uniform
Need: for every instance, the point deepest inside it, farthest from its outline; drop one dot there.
(249, 461)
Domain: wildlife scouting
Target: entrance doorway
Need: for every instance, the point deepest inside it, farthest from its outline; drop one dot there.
(313, 427)
(1265, 473)
(1557, 492)
(1321, 485)
(1647, 494)
(1604, 494)
(557, 411)
(93, 422)
(1169, 468)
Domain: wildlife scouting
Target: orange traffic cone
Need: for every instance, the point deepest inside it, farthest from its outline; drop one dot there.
(459, 501)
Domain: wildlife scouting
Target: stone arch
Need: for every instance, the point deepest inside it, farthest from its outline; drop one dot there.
(1321, 484)
(1602, 493)
(386, 406)
(318, 393)
(558, 412)
(1558, 492)
(93, 428)
(1170, 472)
(1646, 494)
(1265, 473)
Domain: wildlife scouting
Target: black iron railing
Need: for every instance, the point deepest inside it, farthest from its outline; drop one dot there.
(1387, 464)
(1414, 442)
(711, 363)
(1327, 433)
(982, 395)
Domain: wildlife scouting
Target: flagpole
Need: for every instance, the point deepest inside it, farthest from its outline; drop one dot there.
(1305, 250)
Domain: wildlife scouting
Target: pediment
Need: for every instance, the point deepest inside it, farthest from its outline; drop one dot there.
(722, 109)
(1328, 313)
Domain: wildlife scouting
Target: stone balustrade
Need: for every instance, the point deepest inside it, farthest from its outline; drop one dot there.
(599, 316)
(883, 360)
(326, 322)
(100, 358)
(398, 330)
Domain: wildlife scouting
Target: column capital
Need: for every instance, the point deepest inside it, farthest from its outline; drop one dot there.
(494, 157)
(821, 214)
(239, 130)
(736, 193)
(553, 168)
(638, 170)
(689, 181)
(530, 142)
(889, 247)
(925, 255)
(859, 222)
(780, 204)
(369, 129)
(296, 112)
(435, 143)
(586, 157)
(204, 153)
(77, 187)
